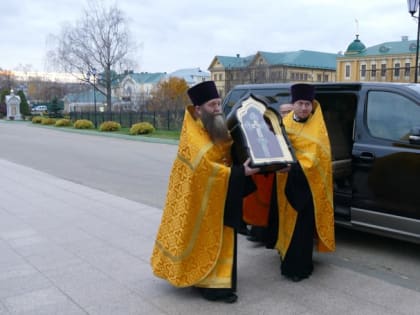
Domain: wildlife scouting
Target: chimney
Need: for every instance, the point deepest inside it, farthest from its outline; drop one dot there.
(404, 38)
(238, 55)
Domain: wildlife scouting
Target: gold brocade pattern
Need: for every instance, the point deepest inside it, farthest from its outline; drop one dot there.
(190, 236)
(221, 274)
(312, 147)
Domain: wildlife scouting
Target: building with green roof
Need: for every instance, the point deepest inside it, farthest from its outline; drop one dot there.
(388, 62)
(84, 101)
(271, 67)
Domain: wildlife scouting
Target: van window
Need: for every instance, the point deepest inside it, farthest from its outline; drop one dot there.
(231, 99)
(391, 116)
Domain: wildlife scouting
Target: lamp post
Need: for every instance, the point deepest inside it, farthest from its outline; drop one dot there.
(413, 6)
(92, 72)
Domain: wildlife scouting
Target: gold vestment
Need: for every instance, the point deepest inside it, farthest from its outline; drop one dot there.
(192, 246)
(312, 148)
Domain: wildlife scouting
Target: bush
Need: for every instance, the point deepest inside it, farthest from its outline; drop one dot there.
(141, 128)
(109, 126)
(36, 119)
(63, 122)
(83, 124)
(47, 121)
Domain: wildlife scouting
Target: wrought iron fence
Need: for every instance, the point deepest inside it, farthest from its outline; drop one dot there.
(163, 120)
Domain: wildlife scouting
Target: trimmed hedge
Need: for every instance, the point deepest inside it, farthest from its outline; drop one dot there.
(47, 121)
(83, 124)
(36, 119)
(109, 126)
(63, 122)
(141, 128)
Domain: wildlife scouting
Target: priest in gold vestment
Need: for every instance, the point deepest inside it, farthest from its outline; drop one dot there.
(196, 240)
(301, 206)
(305, 193)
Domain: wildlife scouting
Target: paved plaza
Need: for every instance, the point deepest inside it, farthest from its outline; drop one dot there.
(69, 249)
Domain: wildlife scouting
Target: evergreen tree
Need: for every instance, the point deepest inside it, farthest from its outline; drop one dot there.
(54, 108)
(24, 107)
(3, 109)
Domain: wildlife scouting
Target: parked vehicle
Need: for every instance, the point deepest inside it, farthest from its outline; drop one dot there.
(40, 108)
(374, 130)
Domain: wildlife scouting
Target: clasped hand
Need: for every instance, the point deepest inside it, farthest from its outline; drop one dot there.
(249, 170)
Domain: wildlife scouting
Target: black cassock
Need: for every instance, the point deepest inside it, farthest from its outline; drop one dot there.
(298, 259)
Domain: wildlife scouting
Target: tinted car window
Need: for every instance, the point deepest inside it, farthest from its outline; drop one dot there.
(231, 99)
(391, 116)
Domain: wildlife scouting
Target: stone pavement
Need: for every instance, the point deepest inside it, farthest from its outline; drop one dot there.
(69, 249)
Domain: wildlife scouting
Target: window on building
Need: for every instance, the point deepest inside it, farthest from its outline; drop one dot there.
(319, 77)
(407, 69)
(363, 71)
(347, 71)
(305, 77)
(383, 70)
(373, 72)
(325, 77)
(397, 69)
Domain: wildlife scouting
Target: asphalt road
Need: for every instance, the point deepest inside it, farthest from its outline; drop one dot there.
(139, 171)
(129, 168)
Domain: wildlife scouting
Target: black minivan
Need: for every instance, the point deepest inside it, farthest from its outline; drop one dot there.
(374, 130)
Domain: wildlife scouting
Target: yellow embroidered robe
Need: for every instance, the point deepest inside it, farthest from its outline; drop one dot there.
(312, 147)
(192, 246)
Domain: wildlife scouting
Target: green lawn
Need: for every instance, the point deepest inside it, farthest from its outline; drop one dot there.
(163, 134)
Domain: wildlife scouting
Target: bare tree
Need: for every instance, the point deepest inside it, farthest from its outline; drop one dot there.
(7, 80)
(96, 44)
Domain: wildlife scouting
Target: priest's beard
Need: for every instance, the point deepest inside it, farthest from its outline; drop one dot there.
(215, 125)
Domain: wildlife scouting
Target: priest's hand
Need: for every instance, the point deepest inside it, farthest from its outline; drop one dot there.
(249, 170)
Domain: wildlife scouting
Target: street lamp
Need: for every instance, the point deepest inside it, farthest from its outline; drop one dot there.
(413, 6)
(92, 72)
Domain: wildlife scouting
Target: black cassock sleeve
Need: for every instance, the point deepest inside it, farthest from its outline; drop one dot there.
(297, 188)
(239, 186)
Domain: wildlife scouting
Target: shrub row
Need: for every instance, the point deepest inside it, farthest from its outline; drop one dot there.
(136, 129)
(141, 128)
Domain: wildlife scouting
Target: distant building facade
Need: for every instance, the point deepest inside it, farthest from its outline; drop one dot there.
(268, 67)
(385, 62)
(192, 76)
(84, 101)
(135, 88)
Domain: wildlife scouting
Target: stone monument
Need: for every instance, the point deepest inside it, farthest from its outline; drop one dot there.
(13, 106)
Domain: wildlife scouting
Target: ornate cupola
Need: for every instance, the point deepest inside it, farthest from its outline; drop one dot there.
(356, 47)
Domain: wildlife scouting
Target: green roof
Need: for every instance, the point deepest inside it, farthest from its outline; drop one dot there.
(235, 62)
(390, 48)
(146, 77)
(302, 58)
(387, 48)
(355, 47)
(85, 97)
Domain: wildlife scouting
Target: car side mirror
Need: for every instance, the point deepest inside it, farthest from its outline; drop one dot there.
(414, 137)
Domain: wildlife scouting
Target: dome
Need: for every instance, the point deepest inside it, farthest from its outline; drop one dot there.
(355, 47)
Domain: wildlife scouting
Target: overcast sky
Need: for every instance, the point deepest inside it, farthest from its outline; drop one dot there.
(176, 34)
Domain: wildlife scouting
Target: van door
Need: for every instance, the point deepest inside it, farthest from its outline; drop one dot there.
(386, 169)
(339, 110)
